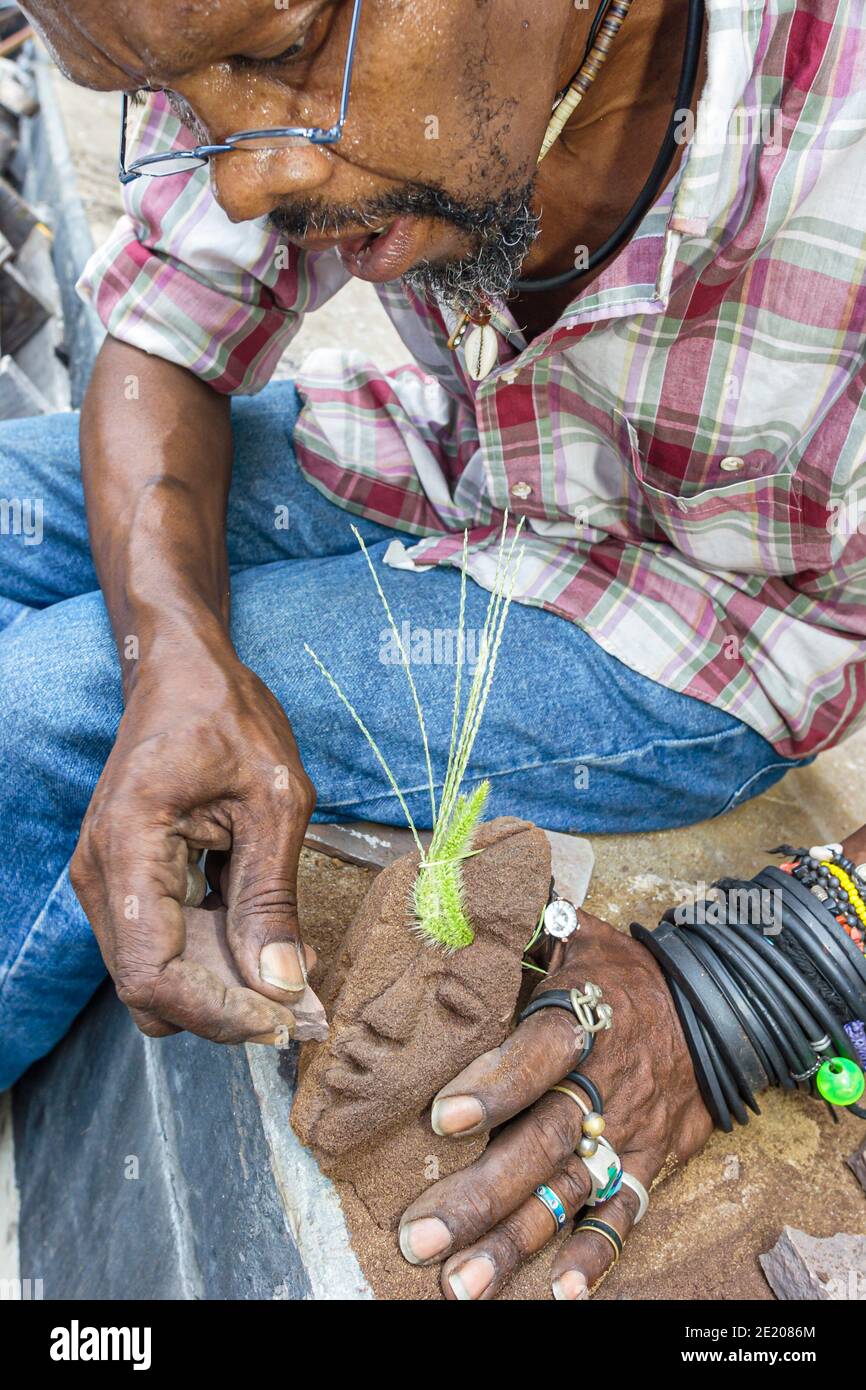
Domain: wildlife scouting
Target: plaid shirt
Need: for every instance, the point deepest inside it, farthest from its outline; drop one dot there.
(686, 443)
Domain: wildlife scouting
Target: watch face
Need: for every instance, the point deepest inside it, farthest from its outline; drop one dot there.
(560, 919)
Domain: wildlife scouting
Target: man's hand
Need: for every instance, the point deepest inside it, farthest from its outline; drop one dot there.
(204, 759)
(484, 1221)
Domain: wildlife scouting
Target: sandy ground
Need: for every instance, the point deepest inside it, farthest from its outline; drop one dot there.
(708, 1223)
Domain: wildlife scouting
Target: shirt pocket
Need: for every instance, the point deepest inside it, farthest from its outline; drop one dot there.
(750, 525)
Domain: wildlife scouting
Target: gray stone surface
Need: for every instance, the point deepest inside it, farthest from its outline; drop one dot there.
(18, 395)
(802, 1267)
(857, 1164)
(149, 1178)
(45, 151)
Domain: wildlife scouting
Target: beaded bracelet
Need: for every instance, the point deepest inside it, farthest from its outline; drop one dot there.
(827, 868)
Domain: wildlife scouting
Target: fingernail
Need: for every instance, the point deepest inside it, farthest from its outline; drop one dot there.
(455, 1115)
(569, 1285)
(471, 1279)
(281, 965)
(424, 1239)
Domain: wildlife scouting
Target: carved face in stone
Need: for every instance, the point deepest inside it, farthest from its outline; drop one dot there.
(406, 1016)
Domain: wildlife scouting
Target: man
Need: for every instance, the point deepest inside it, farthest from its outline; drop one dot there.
(678, 427)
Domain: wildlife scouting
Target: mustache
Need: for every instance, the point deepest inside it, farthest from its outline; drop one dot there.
(487, 219)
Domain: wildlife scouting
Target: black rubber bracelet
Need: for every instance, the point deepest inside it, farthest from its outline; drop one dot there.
(795, 1021)
(705, 1073)
(811, 1028)
(769, 1056)
(838, 940)
(785, 1029)
(763, 994)
(666, 944)
(726, 1081)
(814, 939)
(780, 964)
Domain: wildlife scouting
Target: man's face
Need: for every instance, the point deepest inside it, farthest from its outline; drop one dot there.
(448, 107)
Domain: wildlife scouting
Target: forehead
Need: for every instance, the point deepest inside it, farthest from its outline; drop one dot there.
(111, 44)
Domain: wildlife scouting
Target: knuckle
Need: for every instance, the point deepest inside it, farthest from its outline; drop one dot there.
(553, 1132)
(512, 1242)
(476, 1206)
(139, 991)
(572, 1184)
(266, 893)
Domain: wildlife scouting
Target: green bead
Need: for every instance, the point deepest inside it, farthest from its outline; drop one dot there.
(841, 1082)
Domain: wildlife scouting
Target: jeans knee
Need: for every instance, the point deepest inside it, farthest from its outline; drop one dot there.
(60, 703)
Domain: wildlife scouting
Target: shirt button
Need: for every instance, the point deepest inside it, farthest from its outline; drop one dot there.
(522, 490)
(510, 377)
(732, 464)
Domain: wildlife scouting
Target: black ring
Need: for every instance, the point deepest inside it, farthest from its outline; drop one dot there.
(591, 1090)
(592, 1223)
(559, 999)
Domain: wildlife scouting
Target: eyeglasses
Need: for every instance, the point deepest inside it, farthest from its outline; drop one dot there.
(281, 137)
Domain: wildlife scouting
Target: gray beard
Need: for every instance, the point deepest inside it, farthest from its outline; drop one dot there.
(504, 230)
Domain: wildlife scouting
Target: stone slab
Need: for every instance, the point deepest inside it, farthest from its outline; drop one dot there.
(801, 1267)
(150, 1177)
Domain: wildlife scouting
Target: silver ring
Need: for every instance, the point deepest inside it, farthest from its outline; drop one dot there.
(637, 1187)
(605, 1169)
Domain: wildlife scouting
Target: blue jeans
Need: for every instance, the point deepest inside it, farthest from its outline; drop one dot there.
(571, 738)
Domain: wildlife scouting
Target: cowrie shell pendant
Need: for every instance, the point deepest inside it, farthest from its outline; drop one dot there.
(482, 352)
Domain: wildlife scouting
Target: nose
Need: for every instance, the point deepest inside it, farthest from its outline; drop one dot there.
(250, 183)
(393, 1013)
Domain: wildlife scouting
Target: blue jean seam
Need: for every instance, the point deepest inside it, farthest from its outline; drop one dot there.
(732, 802)
(31, 933)
(597, 762)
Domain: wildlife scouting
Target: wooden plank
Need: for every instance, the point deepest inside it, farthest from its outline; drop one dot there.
(363, 842)
(374, 846)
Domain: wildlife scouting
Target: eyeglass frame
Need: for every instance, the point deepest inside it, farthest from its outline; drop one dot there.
(316, 135)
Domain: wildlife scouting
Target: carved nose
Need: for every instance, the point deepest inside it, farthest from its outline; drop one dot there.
(394, 1013)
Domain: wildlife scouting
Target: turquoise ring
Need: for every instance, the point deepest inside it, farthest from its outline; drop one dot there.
(549, 1199)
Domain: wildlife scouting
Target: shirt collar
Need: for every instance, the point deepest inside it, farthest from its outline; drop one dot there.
(710, 179)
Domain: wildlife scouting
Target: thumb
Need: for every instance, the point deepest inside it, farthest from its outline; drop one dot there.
(262, 905)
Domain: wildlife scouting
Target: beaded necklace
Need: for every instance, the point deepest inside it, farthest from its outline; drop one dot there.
(482, 351)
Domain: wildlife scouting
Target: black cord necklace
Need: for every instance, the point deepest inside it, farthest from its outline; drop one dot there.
(650, 190)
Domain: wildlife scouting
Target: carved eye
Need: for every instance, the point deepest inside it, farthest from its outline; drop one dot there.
(456, 996)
